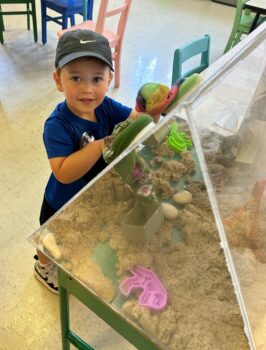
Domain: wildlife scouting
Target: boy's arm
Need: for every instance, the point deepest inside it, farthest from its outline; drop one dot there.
(133, 114)
(71, 168)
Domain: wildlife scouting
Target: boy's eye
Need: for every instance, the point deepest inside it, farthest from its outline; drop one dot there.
(76, 78)
(98, 79)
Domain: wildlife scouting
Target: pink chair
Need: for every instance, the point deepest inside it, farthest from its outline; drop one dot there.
(115, 38)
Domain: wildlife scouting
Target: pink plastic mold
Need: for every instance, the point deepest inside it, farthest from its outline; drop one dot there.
(154, 295)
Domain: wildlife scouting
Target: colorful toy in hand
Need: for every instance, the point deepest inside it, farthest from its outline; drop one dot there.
(156, 98)
(152, 98)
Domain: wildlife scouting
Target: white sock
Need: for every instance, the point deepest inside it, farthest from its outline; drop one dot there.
(44, 265)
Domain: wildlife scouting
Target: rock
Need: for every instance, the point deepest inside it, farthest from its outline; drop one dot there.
(49, 242)
(183, 197)
(169, 211)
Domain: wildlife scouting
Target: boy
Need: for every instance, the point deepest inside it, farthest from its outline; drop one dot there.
(74, 133)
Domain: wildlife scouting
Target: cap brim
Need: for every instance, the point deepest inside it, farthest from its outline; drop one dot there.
(73, 56)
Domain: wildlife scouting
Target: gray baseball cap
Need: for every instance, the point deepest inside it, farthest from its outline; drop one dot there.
(74, 44)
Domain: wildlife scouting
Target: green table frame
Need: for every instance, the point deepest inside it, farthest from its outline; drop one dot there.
(68, 285)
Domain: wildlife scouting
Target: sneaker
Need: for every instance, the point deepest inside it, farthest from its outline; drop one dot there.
(47, 275)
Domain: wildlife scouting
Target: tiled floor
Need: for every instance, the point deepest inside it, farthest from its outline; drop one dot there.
(29, 318)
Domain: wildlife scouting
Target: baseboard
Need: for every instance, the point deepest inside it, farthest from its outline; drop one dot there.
(226, 2)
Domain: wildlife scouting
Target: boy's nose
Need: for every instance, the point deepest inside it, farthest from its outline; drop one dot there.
(87, 85)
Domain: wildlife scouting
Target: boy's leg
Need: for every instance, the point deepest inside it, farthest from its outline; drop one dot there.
(46, 274)
(46, 212)
(44, 269)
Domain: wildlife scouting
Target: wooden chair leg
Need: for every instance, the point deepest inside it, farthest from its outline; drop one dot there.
(237, 38)
(90, 10)
(64, 21)
(34, 21)
(117, 69)
(230, 41)
(28, 16)
(72, 20)
(2, 26)
(44, 22)
(1, 36)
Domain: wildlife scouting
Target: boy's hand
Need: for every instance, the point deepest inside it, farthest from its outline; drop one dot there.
(101, 144)
(134, 115)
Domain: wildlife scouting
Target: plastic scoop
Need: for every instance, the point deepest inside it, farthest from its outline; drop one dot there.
(154, 295)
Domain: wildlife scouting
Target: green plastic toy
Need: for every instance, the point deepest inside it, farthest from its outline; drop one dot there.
(178, 140)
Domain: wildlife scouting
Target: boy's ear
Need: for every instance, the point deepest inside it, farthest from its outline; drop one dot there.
(110, 77)
(58, 81)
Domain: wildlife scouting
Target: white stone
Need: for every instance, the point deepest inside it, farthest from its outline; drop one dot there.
(183, 197)
(50, 244)
(169, 211)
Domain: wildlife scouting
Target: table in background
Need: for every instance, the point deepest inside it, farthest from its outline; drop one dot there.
(257, 6)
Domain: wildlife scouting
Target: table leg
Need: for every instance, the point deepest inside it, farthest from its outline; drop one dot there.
(68, 285)
(64, 315)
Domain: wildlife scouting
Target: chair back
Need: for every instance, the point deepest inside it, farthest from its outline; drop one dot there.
(182, 54)
(239, 13)
(115, 37)
(242, 23)
(104, 12)
(30, 11)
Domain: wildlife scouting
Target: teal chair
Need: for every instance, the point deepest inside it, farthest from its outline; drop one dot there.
(199, 46)
(242, 23)
(30, 11)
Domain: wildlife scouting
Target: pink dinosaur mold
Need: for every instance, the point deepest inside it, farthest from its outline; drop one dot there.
(154, 295)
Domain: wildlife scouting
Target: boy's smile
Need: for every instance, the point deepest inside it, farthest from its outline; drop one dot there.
(84, 82)
(87, 101)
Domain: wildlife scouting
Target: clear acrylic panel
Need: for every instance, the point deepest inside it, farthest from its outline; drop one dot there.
(227, 120)
(107, 232)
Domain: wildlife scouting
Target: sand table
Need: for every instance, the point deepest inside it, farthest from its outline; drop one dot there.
(202, 311)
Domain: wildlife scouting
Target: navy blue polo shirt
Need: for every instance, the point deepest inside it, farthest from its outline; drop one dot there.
(62, 135)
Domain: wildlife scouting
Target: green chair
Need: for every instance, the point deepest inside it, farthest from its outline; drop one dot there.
(1, 20)
(29, 11)
(242, 23)
(199, 46)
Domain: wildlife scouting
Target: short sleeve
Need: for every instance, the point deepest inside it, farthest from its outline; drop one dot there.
(57, 139)
(113, 112)
(121, 112)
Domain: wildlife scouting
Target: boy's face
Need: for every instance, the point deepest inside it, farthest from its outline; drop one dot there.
(84, 82)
